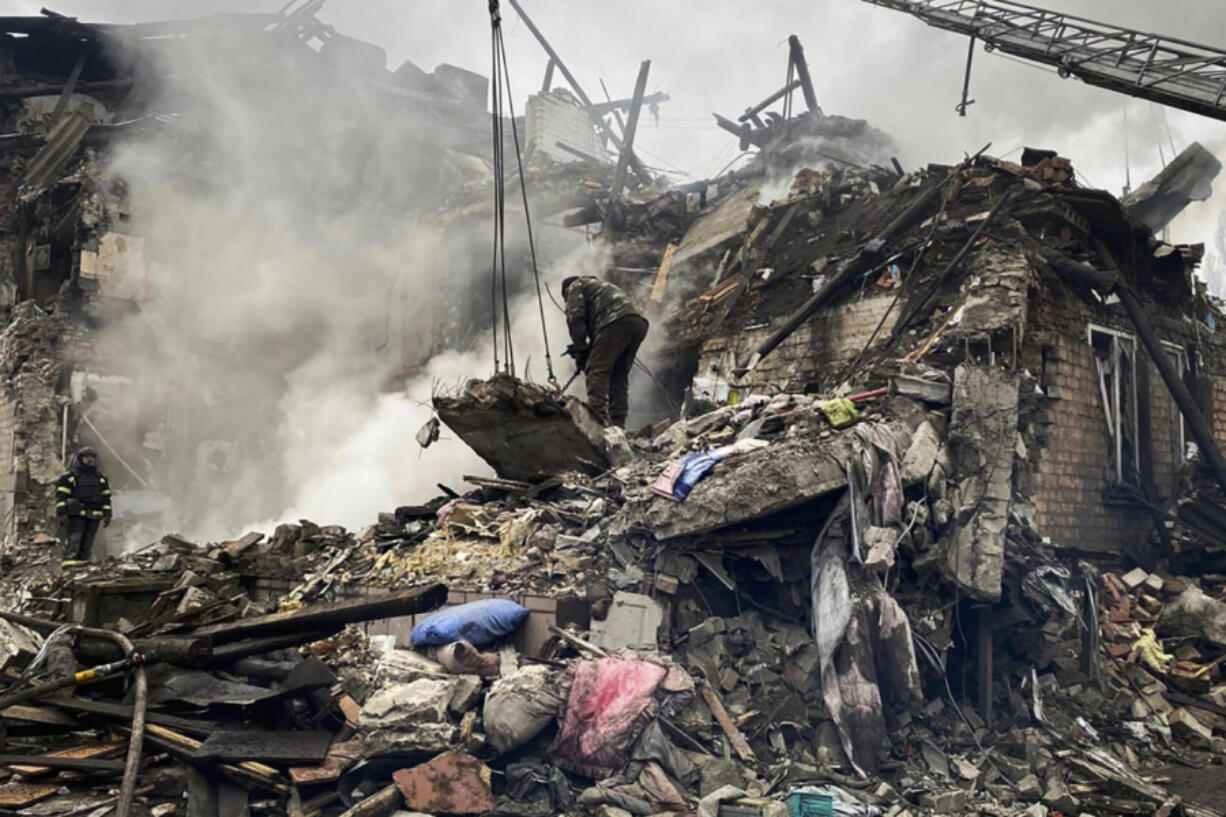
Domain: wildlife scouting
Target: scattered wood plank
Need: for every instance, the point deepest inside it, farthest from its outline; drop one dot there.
(20, 795)
(282, 747)
(666, 263)
(185, 747)
(322, 616)
(1168, 805)
(739, 744)
(84, 752)
(577, 642)
(123, 714)
(340, 757)
(49, 762)
(512, 486)
(719, 291)
(37, 714)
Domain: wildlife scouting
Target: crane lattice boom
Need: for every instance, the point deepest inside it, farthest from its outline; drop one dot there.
(1172, 72)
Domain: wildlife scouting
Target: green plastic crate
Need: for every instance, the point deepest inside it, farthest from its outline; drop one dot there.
(810, 804)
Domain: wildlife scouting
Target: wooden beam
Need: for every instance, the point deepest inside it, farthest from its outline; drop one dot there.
(1174, 383)
(577, 642)
(752, 113)
(323, 616)
(37, 766)
(24, 91)
(48, 762)
(185, 747)
(739, 744)
(41, 715)
(632, 123)
(797, 55)
(258, 646)
(382, 803)
(62, 103)
(614, 106)
(666, 264)
(123, 714)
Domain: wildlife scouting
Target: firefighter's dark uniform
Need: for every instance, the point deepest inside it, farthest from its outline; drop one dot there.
(83, 495)
(606, 331)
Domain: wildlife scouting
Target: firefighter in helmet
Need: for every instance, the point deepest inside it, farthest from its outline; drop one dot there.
(82, 503)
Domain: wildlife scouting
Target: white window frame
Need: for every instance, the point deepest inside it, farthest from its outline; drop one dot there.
(1113, 414)
(1182, 366)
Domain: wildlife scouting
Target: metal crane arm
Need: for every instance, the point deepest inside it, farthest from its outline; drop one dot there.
(1166, 70)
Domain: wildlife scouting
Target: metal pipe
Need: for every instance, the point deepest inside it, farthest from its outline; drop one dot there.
(632, 121)
(140, 696)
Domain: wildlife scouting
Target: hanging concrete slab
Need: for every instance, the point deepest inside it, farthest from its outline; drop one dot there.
(982, 439)
(525, 431)
(1188, 178)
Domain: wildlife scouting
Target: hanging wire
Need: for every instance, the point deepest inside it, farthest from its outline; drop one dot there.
(495, 107)
(500, 90)
(1153, 115)
(501, 215)
(1170, 136)
(523, 189)
(1127, 160)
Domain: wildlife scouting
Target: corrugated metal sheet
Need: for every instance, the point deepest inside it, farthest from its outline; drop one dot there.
(62, 143)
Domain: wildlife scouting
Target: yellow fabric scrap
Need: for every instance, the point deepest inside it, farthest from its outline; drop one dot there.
(515, 532)
(1150, 651)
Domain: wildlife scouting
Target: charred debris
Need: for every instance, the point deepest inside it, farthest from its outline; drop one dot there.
(938, 525)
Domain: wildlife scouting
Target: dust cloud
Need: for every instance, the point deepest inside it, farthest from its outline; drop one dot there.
(301, 290)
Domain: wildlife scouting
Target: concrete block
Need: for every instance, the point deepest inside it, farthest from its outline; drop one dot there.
(632, 623)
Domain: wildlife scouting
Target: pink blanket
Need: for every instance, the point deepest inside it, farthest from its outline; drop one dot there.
(607, 703)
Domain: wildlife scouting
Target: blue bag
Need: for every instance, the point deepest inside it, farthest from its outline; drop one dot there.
(478, 622)
(693, 470)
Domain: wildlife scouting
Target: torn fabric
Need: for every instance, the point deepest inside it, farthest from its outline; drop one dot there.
(607, 704)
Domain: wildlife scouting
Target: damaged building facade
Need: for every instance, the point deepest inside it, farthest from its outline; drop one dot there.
(925, 516)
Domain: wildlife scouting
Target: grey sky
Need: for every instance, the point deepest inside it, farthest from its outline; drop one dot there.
(722, 55)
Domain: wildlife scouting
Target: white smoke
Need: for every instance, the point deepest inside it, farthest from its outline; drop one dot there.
(306, 292)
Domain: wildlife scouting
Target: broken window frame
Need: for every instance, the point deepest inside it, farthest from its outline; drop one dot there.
(1119, 399)
(1179, 358)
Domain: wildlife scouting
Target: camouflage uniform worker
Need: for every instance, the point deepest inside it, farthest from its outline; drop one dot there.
(606, 331)
(82, 502)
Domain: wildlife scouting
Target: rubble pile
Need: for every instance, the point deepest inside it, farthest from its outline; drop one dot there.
(933, 526)
(698, 680)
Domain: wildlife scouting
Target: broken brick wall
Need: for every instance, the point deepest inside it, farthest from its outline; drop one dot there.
(31, 371)
(829, 340)
(1217, 399)
(1073, 464)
